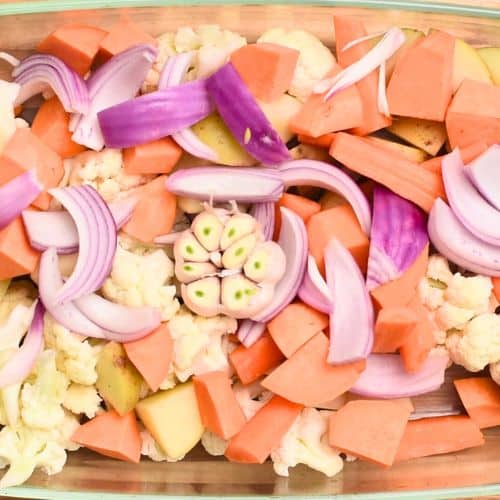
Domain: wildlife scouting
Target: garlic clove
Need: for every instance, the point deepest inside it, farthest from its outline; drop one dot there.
(237, 293)
(186, 272)
(266, 263)
(237, 227)
(236, 255)
(203, 296)
(188, 248)
(208, 230)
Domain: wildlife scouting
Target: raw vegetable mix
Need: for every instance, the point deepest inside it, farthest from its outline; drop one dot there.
(267, 247)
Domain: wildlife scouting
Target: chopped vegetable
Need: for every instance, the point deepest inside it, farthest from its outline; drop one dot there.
(323, 141)
(250, 363)
(370, 430)
(392, 328)
(482, 173)
(111, 435)
(266, 68)
(219, 410)
(318, 383)
(294, 326)
(263, 432)
(401, 176)
(75, 44)
(303, 207)
(398, 237)
(436, 435)
(246, 121)
(156, 157)
(481, 398)
(314, 291)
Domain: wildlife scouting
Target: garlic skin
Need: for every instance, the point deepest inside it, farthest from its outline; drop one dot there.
(225, 266)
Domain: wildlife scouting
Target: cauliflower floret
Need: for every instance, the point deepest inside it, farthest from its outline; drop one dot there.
(18, 293)
(211, 44)
(150, 448)
(431, 296)
(315, 59)
(495, 371)
(251, 398)
(449, 316)
(104, 171)
(213, 444)
(76, 357)
(140, 278)
(469, 293)
(82, 399)
(439, 269)
(198, 344)
(24, 449)
(42, 396)
(306, 443)
(478, 345)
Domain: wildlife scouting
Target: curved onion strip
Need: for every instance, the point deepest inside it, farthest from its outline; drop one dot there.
(460, 246)
(473, 211)
(384, 50)
(19, 366)
(293, 241)
(250, 331)
(9, 58)
(173, 74)
(116, 317)
(484, 172)
(351, 319)
(49, 284)
(38, 71)
(97, 240)
(327, 176)
(57, 229)
(16, 195)
(245, 185)
(265, 215)
(385, 377)
(313, 290)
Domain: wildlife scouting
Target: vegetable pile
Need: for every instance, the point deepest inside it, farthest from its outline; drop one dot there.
(260, 247)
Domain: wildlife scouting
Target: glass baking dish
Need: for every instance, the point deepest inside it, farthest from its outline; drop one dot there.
(472, 473)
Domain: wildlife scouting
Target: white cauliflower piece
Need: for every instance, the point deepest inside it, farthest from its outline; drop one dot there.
(198, 343)
(211, 44)
(75, 357)
(104, 171)
(18, 293)
(470, 293)
(24, 449)
(140, 278)
(438, 268)
(306, 443)
(495, 371)
(431, 296)
(63, 433)
(170, 380)
(478, 345)
(449, 316)
(82, 399)
(8, 94)
(150, 448)
(315, 59)
(213, 444)
(42, 396)
(251, 398)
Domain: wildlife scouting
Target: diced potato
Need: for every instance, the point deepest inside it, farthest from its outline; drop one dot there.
(468, 64)
(424, 134)
(491, 57)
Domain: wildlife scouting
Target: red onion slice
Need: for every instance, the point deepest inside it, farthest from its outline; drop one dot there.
(173, 74)
(57, 229)
(385, 377)
(460, 246)
(22, 361)
(473, 211)
(9, 58)
(398, 236)
(16, 195)
(245, 185)
(383, 51)
(118, 318)
(327, 176)
(244, 117)
(293, 241)
(49, 284)
(484, 172)
(115, 82)
(265, 215)
(313, 290)
(351, 319)
(250, 331)
(97, 240)
(39, 71)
